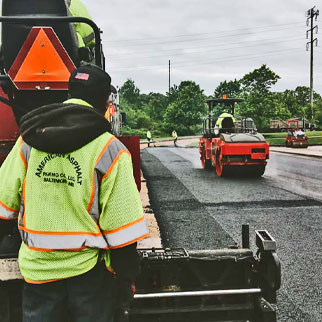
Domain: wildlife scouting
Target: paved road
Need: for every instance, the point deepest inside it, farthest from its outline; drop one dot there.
(196, 209)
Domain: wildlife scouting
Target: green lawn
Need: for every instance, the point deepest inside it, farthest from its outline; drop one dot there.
(283, 134)
(315, 137)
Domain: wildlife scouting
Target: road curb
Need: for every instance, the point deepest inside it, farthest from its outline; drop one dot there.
(300, 154)
(170, 139)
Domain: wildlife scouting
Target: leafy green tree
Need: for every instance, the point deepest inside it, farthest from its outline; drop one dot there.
(318, 112)
(292, 104)
(279, 109)
(156, 106)
(173, 94)
(130, 93)
(259, 81)
(231, 88)
(298, 102)
(186, 111)
(259, 102)
(143, 121)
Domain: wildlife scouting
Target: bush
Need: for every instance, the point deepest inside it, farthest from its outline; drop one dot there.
(128, 131)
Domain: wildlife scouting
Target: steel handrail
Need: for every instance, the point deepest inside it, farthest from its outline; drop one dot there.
(50, 19)
(198, 293)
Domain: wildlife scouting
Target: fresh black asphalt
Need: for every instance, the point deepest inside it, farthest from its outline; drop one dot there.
(197, 210)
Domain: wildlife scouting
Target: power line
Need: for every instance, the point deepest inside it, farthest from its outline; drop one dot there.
(198, 47)
(195, 40)
(230, 58)
(203, 33)
(209, 50)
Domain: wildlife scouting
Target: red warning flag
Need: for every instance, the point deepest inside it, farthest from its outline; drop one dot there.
(42, 63)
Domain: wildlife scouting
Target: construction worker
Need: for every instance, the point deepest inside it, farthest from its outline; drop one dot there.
(85, 34)
(149, 137)
(175, 137)
(222, 116)
(298, 132)
(70, 184)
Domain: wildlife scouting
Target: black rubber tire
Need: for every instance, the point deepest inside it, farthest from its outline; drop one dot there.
(258, 170)
(208, 164)
(205, 163)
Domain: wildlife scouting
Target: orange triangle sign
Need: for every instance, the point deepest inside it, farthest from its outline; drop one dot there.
(42, 62)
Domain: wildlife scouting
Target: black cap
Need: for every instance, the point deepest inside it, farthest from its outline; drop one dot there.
(91, 84)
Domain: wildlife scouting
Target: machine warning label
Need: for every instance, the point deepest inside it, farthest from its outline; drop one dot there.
(60, 177)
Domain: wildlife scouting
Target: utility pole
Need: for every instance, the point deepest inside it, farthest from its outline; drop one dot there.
(169, 75)
(310, 14)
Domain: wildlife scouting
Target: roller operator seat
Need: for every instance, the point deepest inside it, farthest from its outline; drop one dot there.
(227, 125)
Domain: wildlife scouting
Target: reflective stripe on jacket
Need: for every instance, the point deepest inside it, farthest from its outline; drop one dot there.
(70, 205)
(85, 34)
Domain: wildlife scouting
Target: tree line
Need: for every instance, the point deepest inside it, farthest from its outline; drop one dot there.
(183, 107)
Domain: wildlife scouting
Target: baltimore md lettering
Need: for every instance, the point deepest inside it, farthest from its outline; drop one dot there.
(54, 177)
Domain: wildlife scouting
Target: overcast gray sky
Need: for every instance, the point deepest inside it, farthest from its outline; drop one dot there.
(207, 41)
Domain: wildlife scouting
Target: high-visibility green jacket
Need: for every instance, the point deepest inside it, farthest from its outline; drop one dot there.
(174, 134)
(148, 135)
(221, 117)
(70, 205)
(85, 34)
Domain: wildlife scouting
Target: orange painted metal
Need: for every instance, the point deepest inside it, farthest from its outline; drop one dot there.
(42, 63)
(209, 147)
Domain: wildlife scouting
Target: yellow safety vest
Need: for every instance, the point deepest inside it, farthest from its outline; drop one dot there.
(85, 34)
(221, 117)
(70, 205)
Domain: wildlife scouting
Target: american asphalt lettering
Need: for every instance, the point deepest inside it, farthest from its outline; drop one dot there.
(54, 177)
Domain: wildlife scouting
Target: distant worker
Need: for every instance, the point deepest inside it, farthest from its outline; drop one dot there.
(222, 116)
(70, 184)
(298, 132)
(175, 137)
(85, 34)
(295, 132)
(149, 137)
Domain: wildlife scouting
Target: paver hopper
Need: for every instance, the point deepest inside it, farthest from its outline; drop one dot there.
(208, 285)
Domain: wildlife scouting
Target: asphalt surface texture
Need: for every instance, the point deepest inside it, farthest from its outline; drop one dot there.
(198, 210)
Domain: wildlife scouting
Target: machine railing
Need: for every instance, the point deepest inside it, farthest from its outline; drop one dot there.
(99, 57)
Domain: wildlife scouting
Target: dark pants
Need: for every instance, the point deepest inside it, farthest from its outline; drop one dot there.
(84, 298)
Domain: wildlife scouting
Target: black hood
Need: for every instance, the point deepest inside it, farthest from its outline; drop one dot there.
(62, 128)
